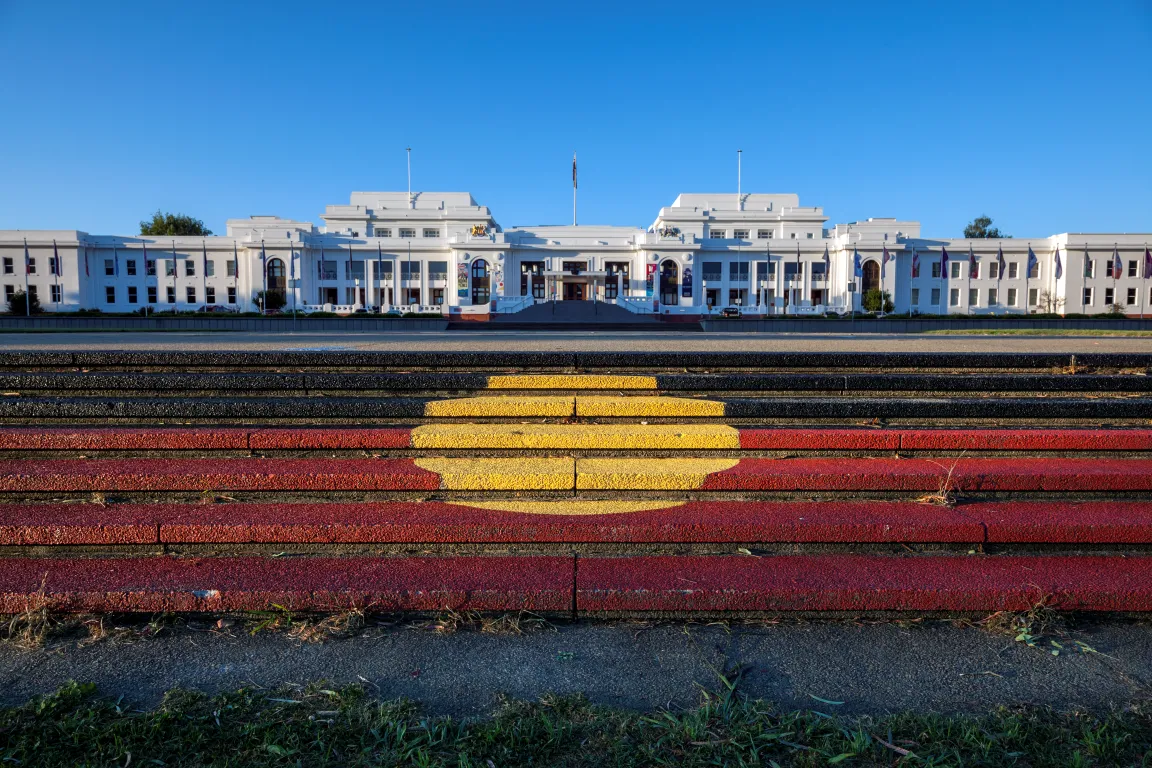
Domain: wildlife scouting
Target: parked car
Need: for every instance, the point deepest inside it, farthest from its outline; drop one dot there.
(730, 312)
(216, 309)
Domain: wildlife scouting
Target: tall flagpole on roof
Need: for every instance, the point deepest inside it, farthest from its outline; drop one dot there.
(739, 204)
(409, 151)
(573, 189)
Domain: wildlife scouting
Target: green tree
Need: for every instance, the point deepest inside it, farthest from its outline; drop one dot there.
(17, 304)
(173, 224)
(272, 299)
(874, 300)
(981, 226)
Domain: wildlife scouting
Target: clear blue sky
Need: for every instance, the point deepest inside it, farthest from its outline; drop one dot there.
(1036, 113)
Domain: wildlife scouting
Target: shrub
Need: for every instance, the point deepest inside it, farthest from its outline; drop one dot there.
(876, 300)
(18, 304)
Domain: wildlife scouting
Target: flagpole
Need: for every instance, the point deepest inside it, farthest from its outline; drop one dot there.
(573, 189)
(27, 297)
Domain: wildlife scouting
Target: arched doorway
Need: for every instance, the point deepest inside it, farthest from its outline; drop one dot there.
(669, 283)
(871, 276)
(276, 281)
(481, 282)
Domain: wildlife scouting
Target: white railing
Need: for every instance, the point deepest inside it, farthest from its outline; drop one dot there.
(510, 304)
(636, 306)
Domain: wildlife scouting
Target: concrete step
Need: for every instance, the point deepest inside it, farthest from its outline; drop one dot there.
(843, 582)
(622, 523)
(667, 475)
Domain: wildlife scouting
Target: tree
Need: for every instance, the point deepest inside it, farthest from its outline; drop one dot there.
(875, 300)
(173, 224)
(17, 306)
(273, 300)
(979, 227)
(1051, 303)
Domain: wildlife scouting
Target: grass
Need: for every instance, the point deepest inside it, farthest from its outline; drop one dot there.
(1038, 332)
(319, 726)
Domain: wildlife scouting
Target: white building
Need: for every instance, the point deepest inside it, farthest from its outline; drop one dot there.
(442, 252)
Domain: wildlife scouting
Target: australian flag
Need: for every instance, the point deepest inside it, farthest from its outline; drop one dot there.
(1059, 266)
(1032, 262)
(856, 268)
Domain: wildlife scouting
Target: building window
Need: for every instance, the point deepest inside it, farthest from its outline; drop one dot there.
(32, 291)
(171, 295)
(1032, 296)
(1087, 297)
(131, 294)
(56, 294)
(1089, 268)
(404, 232)
(386, 232)
(209, 268)
(1011, 297)
(936, 270)
(973, 297)
(412, 296)
(994, 270)
(210, 295)
(993, 297)
(110, 294)
(737, 273)
(437, 270)
(792, 235)
(230, 267)
(809, 235)
(31, 266)
(431, 233)
(150, 267)
(1013, 270)
(974, 269)
(954, 297)
(763, 234)
(353, 270)
(1132, 268)
(1035, 271)
(1132, 295)
(481, 282)
(9, 292)
(915, 297)
(170, 267)
(1108, 296)
(231, 294)
(54, 266)
(109, 267)
(740, 234)
(935, 297)
(190, 294)
(327, 272)
(189, 268)
(716, 234)
(438, 296)
(409, 270)
(151, 294)
(955, 266)
(8, 268)
(131, 267)
(710, 270)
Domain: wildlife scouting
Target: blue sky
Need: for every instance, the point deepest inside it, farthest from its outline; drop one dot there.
(1036, 113)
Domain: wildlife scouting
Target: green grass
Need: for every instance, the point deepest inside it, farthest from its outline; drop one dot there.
(1037, 332)
(345, 727)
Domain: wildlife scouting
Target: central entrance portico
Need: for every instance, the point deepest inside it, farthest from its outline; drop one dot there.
(575, 291)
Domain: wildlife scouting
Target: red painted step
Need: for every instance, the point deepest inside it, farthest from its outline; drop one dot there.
(1026, 439)
(215, 474)
(848, 582)
(155, 584)
(964, 475)
(1055, 522)
(122, 438)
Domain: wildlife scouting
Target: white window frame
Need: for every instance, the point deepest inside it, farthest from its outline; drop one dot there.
(407, 233)
(717, 234)
(1013, 270)
(57, 294)
(430, 232)
(383, 232)
(740, 234)
(1087, 297)
(1013, 295)
(763, 234)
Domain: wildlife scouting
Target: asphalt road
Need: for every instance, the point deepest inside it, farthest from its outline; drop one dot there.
(567, 341)
(870, 668)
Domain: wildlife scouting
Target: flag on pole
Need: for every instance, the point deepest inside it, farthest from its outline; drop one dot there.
(1059, 266)
(86, 261)
(944, 263)
(573, 170)
(856, 268)
(27, 270)
(827, 263)
(1147, 263)
(999, 262)
(115, 260)
(1117, 265)
(263, 266)
(915, 263)
(27, 261)
(1032, 262)
(204, 256)
(143, 244)
(320, 266)
(291, 261)
(973, 267)
(884, 262)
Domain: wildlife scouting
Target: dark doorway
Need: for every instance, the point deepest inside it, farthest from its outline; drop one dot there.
(276, 281)
(871, 276)
(669, 283)
(575, 292)
(481, 282)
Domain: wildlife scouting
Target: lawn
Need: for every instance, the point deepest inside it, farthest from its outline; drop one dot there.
(317, 726)
(1038, 332)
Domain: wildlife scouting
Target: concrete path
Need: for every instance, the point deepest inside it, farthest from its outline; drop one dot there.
(871, 668)
(581, 341)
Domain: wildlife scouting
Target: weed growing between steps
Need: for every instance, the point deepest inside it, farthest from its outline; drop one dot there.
(317, 726)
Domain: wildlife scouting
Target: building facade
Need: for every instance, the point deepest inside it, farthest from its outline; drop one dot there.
(445, 253)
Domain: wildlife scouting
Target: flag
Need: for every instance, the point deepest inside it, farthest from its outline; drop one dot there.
(27, 261)
(85, 261)
(320, 266)
(291, 260)
(973, 269)
(1147, 263)
(204, 256)
(856, 268)
(263, 265)
(55, 260)
(115, 261)
(573, 170)
(884, 262)
(143, 244)
(827, 263)
(1059, 266)
(1032, 262)
(944, 263)
(235, 260)
(1117, 265)
(999, 262)
(915, 263)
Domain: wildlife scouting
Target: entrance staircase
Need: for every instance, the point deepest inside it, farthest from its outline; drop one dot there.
(574, 315)
(575, 484)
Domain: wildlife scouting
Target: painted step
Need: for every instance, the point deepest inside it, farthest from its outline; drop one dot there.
(153, 584)
(621, 437)
(579, 521)
(857, 583)
(962, 475)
